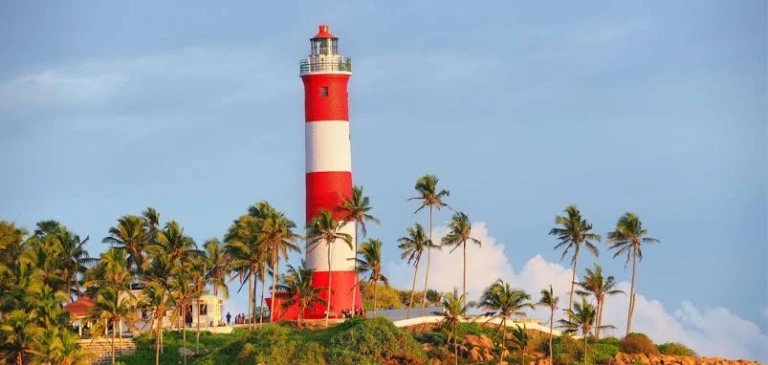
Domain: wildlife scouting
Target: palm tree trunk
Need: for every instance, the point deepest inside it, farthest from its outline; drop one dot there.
(250, 296)
(216, 288)
(354, 286)
(429, 257)
(503, 336)
(375, 283)
(600, 303)
(328, 306)
(20, 359)
(197, 340)
(522, 356)
(585, 349)
(413, 288)
(551, 329)
(464, 283)
(263, 284)
(632, 293)
(113, 344)
(455, 347)
(573, 277)
(158, 342)
(184, 331)
(274, 283)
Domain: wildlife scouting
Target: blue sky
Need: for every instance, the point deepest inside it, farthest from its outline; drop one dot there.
(195, 108)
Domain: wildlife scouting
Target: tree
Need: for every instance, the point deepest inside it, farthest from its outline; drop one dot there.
(131, 235)
(459, 233)
(628, 238)
(581, 318)
(277, 234)
(426, 187)
(112, 310)
(454, 311)
(413, 246)
(73, 259)
(296, 289)
(573, 231)
(59, 346)
(218, 264)
(504, 301)
(370, 263)
(249, 256)
(182, 292)
(157, 299)
(324, 229)
(20, 332)
(198, 270)
(521, 341)
(356, 208)
(179, 248)
(434, 297)
(596, 285)
(549, 300)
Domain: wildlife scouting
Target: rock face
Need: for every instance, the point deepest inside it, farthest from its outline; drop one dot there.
(632, 359)
(481, 341)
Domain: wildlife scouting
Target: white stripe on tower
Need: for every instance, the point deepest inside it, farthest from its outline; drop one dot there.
(327, 146)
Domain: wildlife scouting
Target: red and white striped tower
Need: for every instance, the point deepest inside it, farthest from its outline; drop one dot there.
(325, 74)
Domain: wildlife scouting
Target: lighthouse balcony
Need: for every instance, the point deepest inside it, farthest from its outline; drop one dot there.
(338, 64)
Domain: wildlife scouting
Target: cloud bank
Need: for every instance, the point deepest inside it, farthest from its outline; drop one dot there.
(710, 332)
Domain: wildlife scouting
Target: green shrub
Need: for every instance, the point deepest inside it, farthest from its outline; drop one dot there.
(376, 339)
(677, 349)
(434, 337)
(601, 353)
(610, 341)
(638, 343)
(567, 350)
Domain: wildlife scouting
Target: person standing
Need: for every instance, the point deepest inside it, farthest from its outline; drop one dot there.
(229, 316)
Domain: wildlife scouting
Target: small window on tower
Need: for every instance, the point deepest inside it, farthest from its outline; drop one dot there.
(324, 91)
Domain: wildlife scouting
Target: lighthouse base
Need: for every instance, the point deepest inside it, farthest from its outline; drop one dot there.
(342, 286)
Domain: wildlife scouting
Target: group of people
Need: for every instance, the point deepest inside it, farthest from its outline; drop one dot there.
(347, 313)
(239, 319)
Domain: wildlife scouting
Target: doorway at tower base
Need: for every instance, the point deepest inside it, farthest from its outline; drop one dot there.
(341, 300)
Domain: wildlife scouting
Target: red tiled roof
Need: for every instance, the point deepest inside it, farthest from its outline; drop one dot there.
(80, 307)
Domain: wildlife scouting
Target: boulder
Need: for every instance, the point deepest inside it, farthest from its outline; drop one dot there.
(475, 355)
(479, 341)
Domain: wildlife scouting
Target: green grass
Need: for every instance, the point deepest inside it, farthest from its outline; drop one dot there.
(172, 341)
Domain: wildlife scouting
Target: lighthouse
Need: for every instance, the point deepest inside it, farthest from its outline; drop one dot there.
(325, 74)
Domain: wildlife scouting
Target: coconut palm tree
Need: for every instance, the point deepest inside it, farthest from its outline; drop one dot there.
(459, 233)
(549, 300)
(130, 234)
(504, 301)
(249, 256)
(218, 264)
(426, 187)
(157, 298)
(598, 286)
(413, 246)
(277, 234)
(572, 232)
(73, 259)
(112, 270)
(324, 229)
(370, 263)
(179, 248)
(112, 310)
(520, 340)
(581, 319)
(20, 331)
(628, 238)
(182, 292)
(357, 208)
(454, 311)
(434, 297)
(296, 289)
(197, 270)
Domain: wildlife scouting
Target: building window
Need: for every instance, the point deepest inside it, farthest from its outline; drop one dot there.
(324, 91)
(203, 309)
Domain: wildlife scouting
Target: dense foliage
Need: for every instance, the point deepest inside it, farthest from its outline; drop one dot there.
(637, 343)
(676, 349)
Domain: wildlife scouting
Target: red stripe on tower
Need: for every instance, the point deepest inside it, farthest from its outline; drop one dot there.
(325, 74)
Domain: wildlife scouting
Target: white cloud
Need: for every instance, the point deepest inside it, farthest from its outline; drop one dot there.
(711, 332)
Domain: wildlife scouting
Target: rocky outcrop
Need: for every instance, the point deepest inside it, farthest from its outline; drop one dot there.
(651, 359)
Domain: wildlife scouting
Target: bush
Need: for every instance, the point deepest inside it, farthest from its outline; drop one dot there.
(677, 349)
(435, 337)
(375, 339)
(567, 351)
(601, 353)
(610, 341)
(638, 343)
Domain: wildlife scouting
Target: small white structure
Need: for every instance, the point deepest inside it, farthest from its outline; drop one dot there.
(209, 309)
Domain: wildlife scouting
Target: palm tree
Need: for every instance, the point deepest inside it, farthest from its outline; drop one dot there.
(573, 231)
(112, 269)
(521, 341)
(249, 256)
(218, 263)
(111, 310)
(504, 302)
(130, 235)
(296, 289)
(156, 298)
(59, 346)
(413, 246)
(182, 291)
(179, 248)
(357, 208)
(458, 236)
(198, 269)
(581, 318)
(324, 229)
(628, 237)
(454, 311)
(277, 234)
(20, 332)
(370, 250)
(549, 300)
(74, 260)
(434, 297)
(596, 285)
(426, 187)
